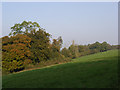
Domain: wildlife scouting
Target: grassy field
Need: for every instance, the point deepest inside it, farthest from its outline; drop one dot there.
(93, 71)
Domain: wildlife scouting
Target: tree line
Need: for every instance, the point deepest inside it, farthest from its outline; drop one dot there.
(28, 43)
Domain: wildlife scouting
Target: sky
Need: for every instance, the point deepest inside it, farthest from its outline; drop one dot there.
(84, 22)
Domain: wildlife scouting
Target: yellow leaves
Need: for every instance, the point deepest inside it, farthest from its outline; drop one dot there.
(20, 38)
(27, 61)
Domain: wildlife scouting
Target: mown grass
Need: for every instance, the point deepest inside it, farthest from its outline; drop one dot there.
(93, 71)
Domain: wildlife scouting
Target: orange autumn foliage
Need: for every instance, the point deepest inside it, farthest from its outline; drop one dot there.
(15, 52)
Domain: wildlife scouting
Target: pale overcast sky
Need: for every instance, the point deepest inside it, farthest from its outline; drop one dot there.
(84, 22)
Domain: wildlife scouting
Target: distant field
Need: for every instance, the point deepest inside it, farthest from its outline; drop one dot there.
(92, 71)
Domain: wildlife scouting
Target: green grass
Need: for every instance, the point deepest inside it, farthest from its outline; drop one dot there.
(92, 71)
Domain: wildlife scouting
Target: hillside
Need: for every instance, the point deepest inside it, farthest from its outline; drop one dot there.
(92, 71)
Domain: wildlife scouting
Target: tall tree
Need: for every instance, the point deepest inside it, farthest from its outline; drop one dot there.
(40, 45)
(105, 46)
(74, 50)
(24, 28)
(39, 39)
(95, 45)
(57, 44)
(55, 47)
(66, 52)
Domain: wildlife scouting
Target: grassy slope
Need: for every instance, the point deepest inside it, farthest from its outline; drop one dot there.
(92, 71)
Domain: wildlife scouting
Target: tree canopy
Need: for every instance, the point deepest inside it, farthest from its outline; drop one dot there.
(28, 43)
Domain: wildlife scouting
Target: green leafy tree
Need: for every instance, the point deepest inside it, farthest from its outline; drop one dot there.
(66, 52)
(24, 28)
(95, 47)
(57, 44)
(99, 47)
(40, 45)
(74, 50)
(81, 48)
(105, 46)
(55, 47)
